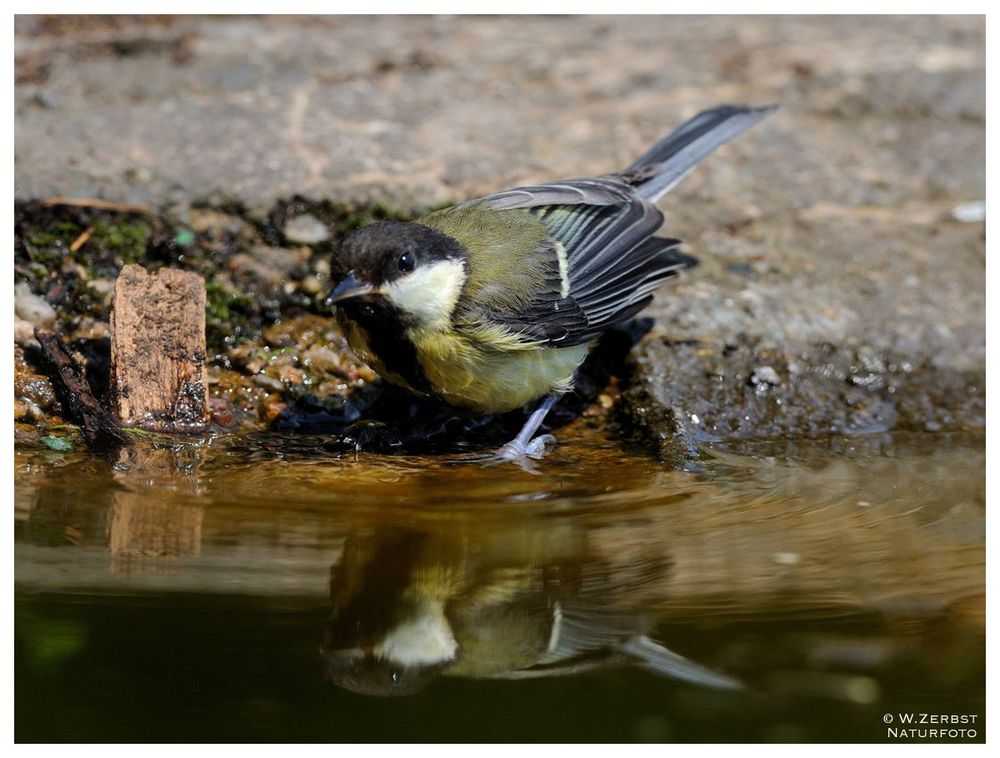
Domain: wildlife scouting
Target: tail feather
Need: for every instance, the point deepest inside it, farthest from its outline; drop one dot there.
(669, 663)
(661, 167)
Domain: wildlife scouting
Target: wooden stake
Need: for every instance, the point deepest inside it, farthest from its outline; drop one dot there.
(158, 350)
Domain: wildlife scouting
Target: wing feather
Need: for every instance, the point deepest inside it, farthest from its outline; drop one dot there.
(612, 263)
(599, 263)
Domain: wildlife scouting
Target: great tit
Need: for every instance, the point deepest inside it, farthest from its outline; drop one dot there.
(519, 602)
(491, 304)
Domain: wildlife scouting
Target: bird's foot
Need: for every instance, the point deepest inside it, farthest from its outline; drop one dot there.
(517, 451)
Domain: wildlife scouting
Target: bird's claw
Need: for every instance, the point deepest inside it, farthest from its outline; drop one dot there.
(517, 451)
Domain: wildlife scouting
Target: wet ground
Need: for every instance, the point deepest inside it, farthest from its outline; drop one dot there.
(263, 588)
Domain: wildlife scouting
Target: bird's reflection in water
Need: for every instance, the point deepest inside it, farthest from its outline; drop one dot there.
(505, 602)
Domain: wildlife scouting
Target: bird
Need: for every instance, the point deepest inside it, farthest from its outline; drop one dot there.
(491, 304)
(524, 601)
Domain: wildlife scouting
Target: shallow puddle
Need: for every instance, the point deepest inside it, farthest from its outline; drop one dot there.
(265, 589)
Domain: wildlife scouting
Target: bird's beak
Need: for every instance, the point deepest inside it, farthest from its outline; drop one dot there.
(348, 288)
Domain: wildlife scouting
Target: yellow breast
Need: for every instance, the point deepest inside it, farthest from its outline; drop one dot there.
(481, 372)
(493, 380)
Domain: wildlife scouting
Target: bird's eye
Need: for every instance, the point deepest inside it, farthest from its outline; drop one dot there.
(407, 262)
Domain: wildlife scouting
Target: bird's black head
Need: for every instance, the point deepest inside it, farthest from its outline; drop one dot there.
(419, 270)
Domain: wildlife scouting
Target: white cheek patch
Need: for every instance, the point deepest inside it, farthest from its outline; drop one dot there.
(426, 640)
(429, 292)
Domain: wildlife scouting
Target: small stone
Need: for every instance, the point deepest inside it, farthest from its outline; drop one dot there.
(31, 307)
(90, 329)
(312, 285)
(306, 230)
(269, 382)
(221, 412)
(46, 99)
(25, 410)
(138, 175)
(272, 407)
(32, 387)
(180, 212)
(273, 264)
(290, 374)
(105, 288)
(24, 332)
(765, 375)
(970, 213)
(323, 359)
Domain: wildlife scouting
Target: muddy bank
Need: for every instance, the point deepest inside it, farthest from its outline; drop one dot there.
(271, 343)
(276, 358)
(845, 231)
(685, 394)
(278, 361)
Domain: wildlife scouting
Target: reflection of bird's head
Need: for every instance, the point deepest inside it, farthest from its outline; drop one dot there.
(388, 633)
(368, 673)
(400, 659)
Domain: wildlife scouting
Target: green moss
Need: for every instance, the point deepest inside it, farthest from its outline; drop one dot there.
(230, 315)
(124, 239)
(222, 303)
(61, 233)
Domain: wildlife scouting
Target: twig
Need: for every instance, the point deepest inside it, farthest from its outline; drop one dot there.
(100, 428)
(93, 202)
(82, 239)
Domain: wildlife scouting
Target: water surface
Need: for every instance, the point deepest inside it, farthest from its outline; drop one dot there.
(266, 589)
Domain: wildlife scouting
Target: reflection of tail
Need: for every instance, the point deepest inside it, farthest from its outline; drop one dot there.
(657, 658)
(584, 638)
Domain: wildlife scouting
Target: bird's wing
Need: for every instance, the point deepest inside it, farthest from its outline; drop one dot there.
(598, 259)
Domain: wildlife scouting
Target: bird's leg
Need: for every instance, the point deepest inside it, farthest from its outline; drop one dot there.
(523, 444)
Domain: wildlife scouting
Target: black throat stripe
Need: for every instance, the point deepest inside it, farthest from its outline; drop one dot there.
(387, 338)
